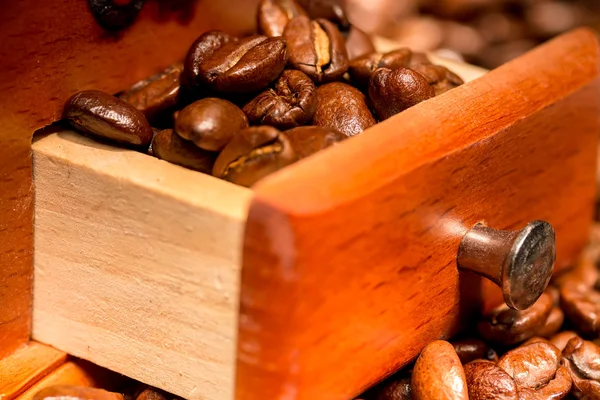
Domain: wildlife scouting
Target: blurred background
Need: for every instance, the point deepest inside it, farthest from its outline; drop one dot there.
(482, 32)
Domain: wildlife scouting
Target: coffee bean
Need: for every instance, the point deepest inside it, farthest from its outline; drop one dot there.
(204, 47)
(585, 356)
(552, 324)
(107, 117)
(210, 123)
(291, 102)
(507, 326)
(332, 10)
(343, 108)
(561, 339)
(395, 389)
(168, 146)
(438, 373)
(61, 392)
(532, 365)
(557, 388)
(307, 140)
(358, 43)
(252, 154)
(486, 381)
(361, 68)
(244, 66)
(582, 308)
(473, 349)
(583, 277)
(393, 91)
(439, 77)
(316, 48)
(151, 394)
(273, 16)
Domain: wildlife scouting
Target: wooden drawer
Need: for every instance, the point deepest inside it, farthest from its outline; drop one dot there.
(327, 275)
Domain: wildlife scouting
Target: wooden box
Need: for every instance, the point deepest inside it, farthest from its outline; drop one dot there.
(321, 279)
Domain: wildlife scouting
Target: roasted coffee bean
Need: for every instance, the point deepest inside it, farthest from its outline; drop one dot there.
(244, 66)
(561, 339)
(168, 146)
(582, 308)
(316, 48)
(358, 43)
(157, 95)
(332, 10)
(439, 77)
(395, 389)
(557, 388)
(204, 47)
(438, 373)
(552, 323)
(291, 102)
(585, 356)
(107, 117)
(393, 91)
(62, 392)
(487, 381)
(273, 16)
(583, 277)
(210, 123)
(507, 326)
(307, 140)
(151, 394)
(342, 108)
(361, 68)
(252, 154)
(472, 349)
(532, 365)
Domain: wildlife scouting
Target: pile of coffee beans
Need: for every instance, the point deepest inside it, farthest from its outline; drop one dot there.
(549, 351)
(242, 108)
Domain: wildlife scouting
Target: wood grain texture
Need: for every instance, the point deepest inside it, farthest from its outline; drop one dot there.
(49, 50)
(77, 373)
(350, 267)
(26, 366)
(143, 281)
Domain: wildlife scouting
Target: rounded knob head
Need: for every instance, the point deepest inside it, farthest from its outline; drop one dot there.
(528, 265)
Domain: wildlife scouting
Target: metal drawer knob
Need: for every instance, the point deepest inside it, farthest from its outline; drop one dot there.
(519, 262)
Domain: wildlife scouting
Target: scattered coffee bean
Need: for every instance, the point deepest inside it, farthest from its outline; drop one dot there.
(244, 66)
(273, 16)
(168, 146)
(358, 43)
(486, 381)
(395, 389)
(361, 68)
(317, 48)
(438, 374)
(151, 394)
(332, 10)
(472, 349)
(252, 154)
(440, 78)
(343, 108)
(585, 356)
(582, 308)
(552, 323)
(107, 117)
(557, 388)
(292, 102)
(157, 95)
(62, 392)
(210, 123)
(393, 91)
(307, 140)
(561, 339)
(532, 365)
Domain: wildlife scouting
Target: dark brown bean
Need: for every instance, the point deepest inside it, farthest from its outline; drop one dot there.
(210, 123)
(584, 389)
(532, 365)
(168, 146)
(200, 51)
(585, 356)
(438, 374)
(507, 326)
(316, 48)
(393, 91)
(557, 388)
(582, 307)
(472, 349)
(157, 95)
(244, 66)
(561, 339)
(358, 43)
(107, 117)
(61, 392)
(552, 323)
(361, 68)
(342, 108)
(252, 154)
(307, 140)
(151, 394)
(439, 77)
(291, 102)
(273, 16)
(332, 10)
(395, 389)
(487, 381)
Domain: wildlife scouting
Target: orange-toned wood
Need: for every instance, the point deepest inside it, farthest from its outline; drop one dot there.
(26, 366)
(350, 257)
(48, 51)
(77, 373)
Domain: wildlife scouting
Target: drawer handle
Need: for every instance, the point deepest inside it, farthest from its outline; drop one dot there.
(519, 262)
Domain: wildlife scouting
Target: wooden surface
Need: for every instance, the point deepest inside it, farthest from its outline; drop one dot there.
(49, 50)
(145, 281)
(350, 256)
(26, 366)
